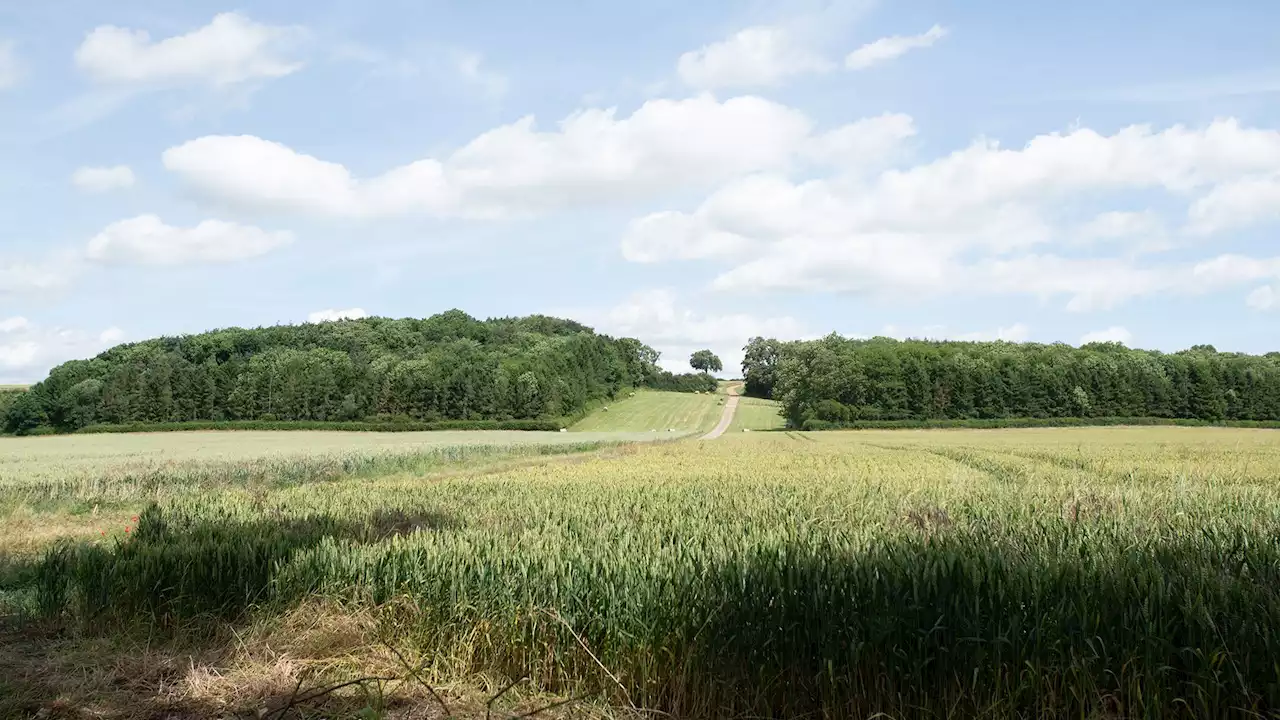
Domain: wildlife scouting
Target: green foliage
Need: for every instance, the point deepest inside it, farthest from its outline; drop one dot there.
(842, 382)
(817, 423)
(8, 395)
(706, 361)
(760, 367)
(444, 369)
(401, 424)
(26, 414)
(681, 382)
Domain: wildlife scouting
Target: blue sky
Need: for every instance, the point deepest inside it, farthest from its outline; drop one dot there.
(688, 173)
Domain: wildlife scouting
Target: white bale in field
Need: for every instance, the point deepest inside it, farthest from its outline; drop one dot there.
(563, 430)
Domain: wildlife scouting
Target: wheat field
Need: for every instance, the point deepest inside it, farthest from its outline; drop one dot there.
(1007, 573)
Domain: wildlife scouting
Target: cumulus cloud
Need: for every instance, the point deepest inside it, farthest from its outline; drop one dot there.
(1114, 333)
(592, 156)
(889, 48)
(103, 179)
(231, 49)
(1266, 297)
(1236, 204)
(14, 324)
(1017, 332)
(981, 220)
(10, 68)
(1124, 225)
(332, 315)
(28, 349)
(863, 144)
(22, 277)
(662, 319)
(147, 240)
(753, 57)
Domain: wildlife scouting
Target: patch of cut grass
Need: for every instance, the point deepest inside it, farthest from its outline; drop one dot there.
(656, 411)
(756, 414)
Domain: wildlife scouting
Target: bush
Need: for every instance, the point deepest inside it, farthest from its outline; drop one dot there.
(815, 423)
(395, 425)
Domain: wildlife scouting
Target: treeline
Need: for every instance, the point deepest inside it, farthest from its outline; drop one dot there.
(9, 393)
(8, 396)
(841, 382)
(449, 367)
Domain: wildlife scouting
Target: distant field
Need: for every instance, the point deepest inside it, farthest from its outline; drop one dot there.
(127, 467)
(756, 414)
(656, 411)
(724, 387)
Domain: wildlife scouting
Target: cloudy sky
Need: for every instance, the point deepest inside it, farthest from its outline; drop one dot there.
(688, 173)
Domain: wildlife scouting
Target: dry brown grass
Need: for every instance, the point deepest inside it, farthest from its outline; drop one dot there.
(251, 672)
(27, 533)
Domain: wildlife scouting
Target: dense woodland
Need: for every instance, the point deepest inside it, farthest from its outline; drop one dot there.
(449, 367)
(8, 395)
(838, 381)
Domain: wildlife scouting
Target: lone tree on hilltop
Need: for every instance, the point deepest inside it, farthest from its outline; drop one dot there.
(706, 361)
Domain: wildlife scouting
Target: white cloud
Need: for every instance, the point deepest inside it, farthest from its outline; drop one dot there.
(983, 220)
(1123, 225)
(1236, 204)
(28, 349)
(753, 57)
(14, 324)
(1017, 332)
(673, 235)
(231, 49)
(111, 336)
(1114, 333)
(593, 156)
(659, 318)
(146, 240)
(889, 48)
(103, 179)
(863, 144)
(1266, 297)
(21, 277)
(10, 68)
(332, 315)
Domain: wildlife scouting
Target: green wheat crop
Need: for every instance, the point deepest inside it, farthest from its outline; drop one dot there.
(1037, 573)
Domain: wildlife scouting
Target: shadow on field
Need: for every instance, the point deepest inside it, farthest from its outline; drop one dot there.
(946, 627)
(178, 567)
(1076, 619)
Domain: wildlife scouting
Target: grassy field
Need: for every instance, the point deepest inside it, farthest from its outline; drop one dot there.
(86, 470)
(650, 411)
(1121, 572)
(756, 414)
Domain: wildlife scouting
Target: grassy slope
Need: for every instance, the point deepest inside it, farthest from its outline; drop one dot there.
(654, 410)
(756, 414)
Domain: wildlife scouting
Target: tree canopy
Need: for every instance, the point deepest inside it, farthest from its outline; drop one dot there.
(835, 380)
(449, 366)
(706, 361)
